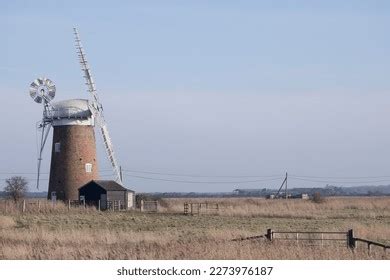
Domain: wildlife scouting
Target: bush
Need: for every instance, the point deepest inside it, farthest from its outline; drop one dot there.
(317, 198)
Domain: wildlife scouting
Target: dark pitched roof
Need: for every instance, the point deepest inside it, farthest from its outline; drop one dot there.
(108, 185)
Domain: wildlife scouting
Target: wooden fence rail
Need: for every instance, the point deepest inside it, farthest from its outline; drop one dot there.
(370, 243)
(200, 208)
(149, 206)
(347, 237)
(308, 236)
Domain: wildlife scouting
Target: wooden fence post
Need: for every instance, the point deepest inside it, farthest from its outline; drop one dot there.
(142, 205)
(99, 205)
(269, 234)
(24, 206)
(68, 205)
(351, 242)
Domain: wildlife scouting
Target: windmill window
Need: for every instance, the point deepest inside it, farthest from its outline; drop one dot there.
(57, 147)
(88, 167)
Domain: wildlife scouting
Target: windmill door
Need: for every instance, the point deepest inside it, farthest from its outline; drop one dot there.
(103, 201)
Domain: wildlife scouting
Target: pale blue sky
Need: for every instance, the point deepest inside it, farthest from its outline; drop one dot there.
(209, 87)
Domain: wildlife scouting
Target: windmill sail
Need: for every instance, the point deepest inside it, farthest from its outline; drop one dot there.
(96, 107)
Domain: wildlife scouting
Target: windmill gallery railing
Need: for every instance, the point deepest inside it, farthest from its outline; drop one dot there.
(347, 238)
(70, 113)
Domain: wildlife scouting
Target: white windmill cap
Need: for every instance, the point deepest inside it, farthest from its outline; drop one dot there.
(70, 112)
(72, 108)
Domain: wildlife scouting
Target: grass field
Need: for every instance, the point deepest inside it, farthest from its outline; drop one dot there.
(89, 234)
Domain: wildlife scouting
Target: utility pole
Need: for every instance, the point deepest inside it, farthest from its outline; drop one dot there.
(286, 186)
(281, 187)
(120, 173)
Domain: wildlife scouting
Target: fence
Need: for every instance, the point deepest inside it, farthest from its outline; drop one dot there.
(347, 238)
(10, 206)
(313, 237)
(43, 205)
(75, 204)
(370, 243)
(200, 208)
(38, 205)
(149, 206)
(114, 205)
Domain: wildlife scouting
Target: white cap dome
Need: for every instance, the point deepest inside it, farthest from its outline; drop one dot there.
(72, 108)
(70, 112)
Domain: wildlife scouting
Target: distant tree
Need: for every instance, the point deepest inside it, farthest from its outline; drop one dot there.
(317, 198)
(16, 187)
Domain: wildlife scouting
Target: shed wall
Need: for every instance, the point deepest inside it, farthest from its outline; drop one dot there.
(118, 196)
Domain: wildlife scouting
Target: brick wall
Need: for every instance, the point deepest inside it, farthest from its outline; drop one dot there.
(68, 171)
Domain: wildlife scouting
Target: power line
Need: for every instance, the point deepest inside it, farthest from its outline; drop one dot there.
(213, 176)
(199, 176)
(20, 173)
(264, 178)
(338, 182)
(202, 182)
(330, 177)
(28, 179)
(248, 176)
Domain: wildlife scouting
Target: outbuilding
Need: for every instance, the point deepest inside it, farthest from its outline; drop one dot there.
(107, 194)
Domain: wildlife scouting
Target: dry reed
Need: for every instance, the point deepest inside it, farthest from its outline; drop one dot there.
(58, 233)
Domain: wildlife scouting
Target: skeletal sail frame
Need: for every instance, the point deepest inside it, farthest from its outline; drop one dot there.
(96, 107)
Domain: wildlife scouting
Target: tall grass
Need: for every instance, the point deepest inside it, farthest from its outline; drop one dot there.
(40, 206)
(251, 207)
(106, 244)
(54, 232)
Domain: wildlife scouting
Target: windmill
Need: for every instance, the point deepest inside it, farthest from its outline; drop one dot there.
(73, 157)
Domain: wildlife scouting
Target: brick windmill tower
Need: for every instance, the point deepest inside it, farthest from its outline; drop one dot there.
(73, 157)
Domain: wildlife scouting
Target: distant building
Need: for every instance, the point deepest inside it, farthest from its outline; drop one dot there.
(305, 196)
(107, 194)
(250, 192)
